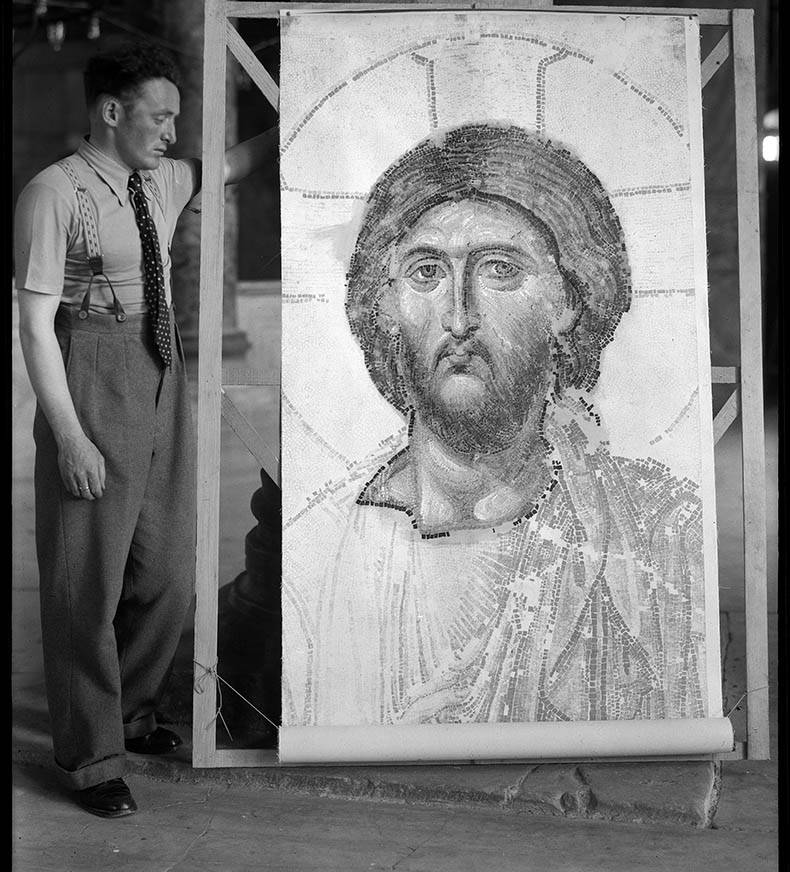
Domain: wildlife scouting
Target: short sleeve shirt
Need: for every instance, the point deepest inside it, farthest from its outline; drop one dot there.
(50, 250)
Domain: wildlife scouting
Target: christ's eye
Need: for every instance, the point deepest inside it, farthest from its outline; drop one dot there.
(500, 274)
(427, 272)
(424, 275)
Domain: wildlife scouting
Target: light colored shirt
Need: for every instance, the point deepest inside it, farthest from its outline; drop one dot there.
(50, 251)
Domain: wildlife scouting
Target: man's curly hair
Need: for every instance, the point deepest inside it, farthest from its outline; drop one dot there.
(121, 72)
(527, 173)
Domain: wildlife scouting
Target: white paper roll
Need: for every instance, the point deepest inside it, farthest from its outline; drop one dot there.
(436, 743)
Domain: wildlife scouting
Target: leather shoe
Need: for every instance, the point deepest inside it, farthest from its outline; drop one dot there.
(161, 741)
(108, 799)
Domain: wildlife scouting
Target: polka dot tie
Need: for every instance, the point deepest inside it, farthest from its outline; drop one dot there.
(154, 281)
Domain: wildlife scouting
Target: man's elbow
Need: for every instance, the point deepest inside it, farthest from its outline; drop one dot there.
(230, 172)
(30, 338)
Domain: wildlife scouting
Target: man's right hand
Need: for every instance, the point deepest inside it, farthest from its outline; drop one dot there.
(81, 467)
(80, 462)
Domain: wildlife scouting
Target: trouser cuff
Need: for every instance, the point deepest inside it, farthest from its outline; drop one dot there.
(95, 773)
(140, 727)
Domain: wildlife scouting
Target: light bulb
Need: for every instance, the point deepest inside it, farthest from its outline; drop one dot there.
(56, 33)
(94, 29)
(771, 148)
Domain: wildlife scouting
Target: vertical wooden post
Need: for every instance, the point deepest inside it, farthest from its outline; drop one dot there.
(209, 384)
(752, 427)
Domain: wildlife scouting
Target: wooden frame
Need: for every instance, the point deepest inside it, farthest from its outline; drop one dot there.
(746, 398)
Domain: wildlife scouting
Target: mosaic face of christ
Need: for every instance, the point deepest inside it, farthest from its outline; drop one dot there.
(477, 297)
(488, 274)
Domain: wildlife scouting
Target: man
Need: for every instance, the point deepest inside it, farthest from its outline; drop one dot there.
(114, 473)
(502, 565)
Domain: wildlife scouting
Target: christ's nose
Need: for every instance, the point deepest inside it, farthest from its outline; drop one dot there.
(462, 317)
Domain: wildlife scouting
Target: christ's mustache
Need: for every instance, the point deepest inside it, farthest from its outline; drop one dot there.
(468, 345)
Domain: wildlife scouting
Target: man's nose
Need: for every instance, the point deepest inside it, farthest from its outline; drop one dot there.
(169, 133)
(462, 316)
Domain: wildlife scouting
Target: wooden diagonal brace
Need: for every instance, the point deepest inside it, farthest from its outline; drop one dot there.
(251, 438)
(253, 67)
(715, 59)
(726, 415)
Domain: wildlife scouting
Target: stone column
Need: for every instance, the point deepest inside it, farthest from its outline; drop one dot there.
(180, 23)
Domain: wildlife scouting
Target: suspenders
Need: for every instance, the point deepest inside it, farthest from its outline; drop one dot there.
(92, 243)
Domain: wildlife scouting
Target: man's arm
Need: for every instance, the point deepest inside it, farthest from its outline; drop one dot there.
(247, 156)
(240, 160)
(80, 461)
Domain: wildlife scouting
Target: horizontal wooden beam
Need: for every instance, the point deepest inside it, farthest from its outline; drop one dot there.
(725, 375)
(248, 757)
(739, 752)
(251, 376)
(272, 10)
(244, 757)
(258, 287)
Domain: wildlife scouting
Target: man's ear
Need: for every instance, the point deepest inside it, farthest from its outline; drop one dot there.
(110, 111)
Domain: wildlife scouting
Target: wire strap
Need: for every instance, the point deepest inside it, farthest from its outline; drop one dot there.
(211, 672)
(743, 696)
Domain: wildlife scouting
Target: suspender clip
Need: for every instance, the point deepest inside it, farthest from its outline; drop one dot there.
(96, 264)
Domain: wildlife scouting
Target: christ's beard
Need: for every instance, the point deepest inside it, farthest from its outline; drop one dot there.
(471, 406)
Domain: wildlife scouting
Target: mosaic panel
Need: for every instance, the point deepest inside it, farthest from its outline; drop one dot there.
(497, 450)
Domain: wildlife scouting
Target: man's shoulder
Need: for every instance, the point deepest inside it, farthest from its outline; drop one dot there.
(174, 172)
(52, 179)
(49, 190)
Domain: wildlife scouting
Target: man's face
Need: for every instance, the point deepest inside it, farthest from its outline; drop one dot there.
(477, 295)
(147, 124)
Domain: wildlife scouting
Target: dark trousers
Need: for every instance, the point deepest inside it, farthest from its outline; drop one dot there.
(116, 573)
